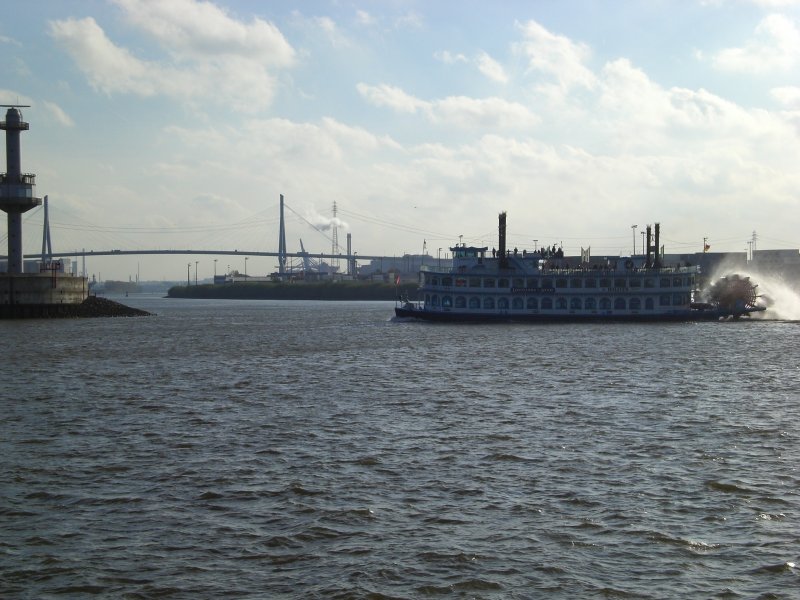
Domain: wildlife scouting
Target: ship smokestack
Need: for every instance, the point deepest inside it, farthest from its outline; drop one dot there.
(501, 242)
(648, 262)
(656, 251)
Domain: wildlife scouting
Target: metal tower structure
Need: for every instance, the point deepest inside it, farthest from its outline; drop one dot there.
(282, 243)
(16, 187)
(47, 245)
(335, 238)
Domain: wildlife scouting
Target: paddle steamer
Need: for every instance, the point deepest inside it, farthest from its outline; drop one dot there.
(543, 286)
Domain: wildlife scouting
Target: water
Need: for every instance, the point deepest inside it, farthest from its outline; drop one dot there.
(321, 450)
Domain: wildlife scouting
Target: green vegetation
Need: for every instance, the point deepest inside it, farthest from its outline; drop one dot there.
(344, 290)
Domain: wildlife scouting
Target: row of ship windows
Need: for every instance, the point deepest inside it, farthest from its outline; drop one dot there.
(559, 303)
(561, 282)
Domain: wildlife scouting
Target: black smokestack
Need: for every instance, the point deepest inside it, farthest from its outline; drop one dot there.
(657, 257)
(501, 241)
(648, 262)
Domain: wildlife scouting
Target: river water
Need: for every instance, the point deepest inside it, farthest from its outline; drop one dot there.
(323, 450)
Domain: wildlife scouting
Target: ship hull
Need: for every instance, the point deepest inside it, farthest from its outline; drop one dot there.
(466, 317)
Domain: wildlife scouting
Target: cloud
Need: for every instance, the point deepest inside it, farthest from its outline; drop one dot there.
(787, 95)
(460, 111)
(59, 115)
(365, 19)
(491, 68)
(555, 55)
(775, 46)
(392, 97)
(208, 56)
(4, 39)
(449, 58)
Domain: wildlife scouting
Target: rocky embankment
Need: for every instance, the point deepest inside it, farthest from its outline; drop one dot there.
(91, 307)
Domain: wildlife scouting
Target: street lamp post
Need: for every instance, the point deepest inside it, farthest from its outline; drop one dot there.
(633, 228)
(188, 275)
(245, 265)
(195, 271)
(215, 269)
(439, 258)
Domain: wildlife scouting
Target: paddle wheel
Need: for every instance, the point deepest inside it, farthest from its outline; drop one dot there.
(734, 292)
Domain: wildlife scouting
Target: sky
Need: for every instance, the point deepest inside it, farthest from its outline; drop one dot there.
(177, 124)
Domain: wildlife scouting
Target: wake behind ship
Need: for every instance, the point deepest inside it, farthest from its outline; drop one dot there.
(544, 287)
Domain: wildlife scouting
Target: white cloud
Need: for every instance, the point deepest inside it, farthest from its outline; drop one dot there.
(364, 18)
(392, 97)
(491, 68)
(787, 95)
(208, 56)
(4, 39)
(191, 28)
(460, 111)
(449, 58)
(59, 115)
(555, 55)
(775, 46)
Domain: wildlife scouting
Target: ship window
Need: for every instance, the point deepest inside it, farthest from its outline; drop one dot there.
(676, 282)
(575, 283)
(547, 303)
(605, 303)
(488, 303)
(664, 282)
(502, 283)
(561, 283)
(533, 282)
(649, 282)
(435, 300)
(635, 282)
(447, 281)
(519, 282)
(427, 298)
(636, 303)
(619, 304)
(691, 280)
(619, 283)
(547, 283)
(605, 282)
(648, 304)
(590, 304)
(663, 300)
(590, 283)
(474, 302)
(532, 304)
(677, 299)
(561, 303)
(447, 301)
(575, 303)
(517, 303)
(461, 302)
(434, 281)
(502, 303)
(474, 282)
(488, 283)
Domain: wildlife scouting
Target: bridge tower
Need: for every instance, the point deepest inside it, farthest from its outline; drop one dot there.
(282, 243)
(47, 244)
(16, 187)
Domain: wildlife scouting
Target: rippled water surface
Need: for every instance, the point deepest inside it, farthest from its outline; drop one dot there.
(322, 450)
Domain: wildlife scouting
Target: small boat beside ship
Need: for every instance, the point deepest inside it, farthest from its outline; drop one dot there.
(542, 286)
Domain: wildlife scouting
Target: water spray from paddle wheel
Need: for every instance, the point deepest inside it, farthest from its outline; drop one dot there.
(734, 292)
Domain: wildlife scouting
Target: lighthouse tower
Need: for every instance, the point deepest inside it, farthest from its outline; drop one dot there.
(16, 187)
(49, 292)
